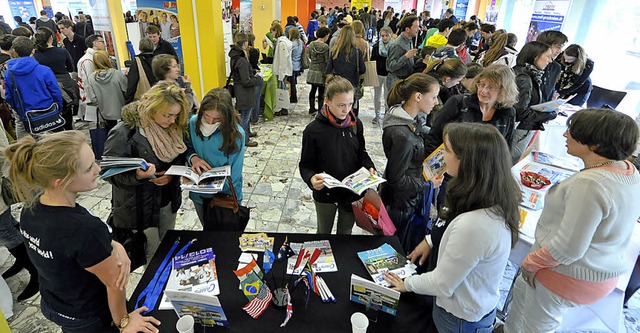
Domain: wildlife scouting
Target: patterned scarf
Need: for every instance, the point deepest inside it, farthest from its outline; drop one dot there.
(167, 143)
(537, 73)
(350, 120)
(383, 48)
(567, 78)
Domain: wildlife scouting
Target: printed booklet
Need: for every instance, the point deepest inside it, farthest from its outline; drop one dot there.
(325, 262)
(115, 165)
(357, 182)
(374, 296)
(211, 181)
(193, 272)
(551, 106)
(386, 259)
(555, 176)
(568, 163)
(205, 309)
(434, 165)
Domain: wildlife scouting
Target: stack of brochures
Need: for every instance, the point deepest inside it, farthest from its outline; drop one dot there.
(386, 259)
(325, 262)
(374, 296)
(208, 182)
(111, 165)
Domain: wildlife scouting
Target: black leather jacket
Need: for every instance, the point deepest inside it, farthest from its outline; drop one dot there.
(529, 93)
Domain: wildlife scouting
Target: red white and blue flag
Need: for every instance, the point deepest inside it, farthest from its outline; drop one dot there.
(289, 307)
(258, 304)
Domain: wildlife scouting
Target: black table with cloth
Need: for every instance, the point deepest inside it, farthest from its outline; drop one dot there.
(318, 316)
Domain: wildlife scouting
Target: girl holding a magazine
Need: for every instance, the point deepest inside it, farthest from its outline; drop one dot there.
(479, 225)
(83, 272)
(334, 144)
(216, 138)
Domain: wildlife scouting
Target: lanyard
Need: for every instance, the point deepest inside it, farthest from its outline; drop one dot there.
(152, 291)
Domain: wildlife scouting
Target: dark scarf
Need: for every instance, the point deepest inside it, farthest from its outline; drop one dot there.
(349, 121)
(537, 74)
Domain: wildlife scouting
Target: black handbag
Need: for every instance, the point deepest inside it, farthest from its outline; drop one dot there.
(224, 213)
(98, 137)
(7, 192)
(38, 121)
(133, 241)
(229, 86)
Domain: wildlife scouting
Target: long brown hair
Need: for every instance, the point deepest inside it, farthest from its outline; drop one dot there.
(220, 99)
(346, 41)
(482, 152)
(495, 51)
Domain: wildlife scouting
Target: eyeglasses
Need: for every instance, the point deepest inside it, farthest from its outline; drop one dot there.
(482, 86)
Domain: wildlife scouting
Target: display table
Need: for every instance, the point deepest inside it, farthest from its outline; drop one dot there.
(318, 316)
(269, 91)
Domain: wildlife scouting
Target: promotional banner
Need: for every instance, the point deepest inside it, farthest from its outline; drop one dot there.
(246, 18)
(359, 4)
(227, 12)
(461, 9)
(491, 15)
(547, 15)
(395, 4)
(408, 4)
(102, 25)
(165, 15)
(22, 8)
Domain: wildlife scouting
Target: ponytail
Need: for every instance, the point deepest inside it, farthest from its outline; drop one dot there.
(451, 67)
(404, 88)
(42, 38)
(336, 84)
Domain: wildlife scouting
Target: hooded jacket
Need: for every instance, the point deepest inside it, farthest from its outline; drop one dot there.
(107, 90)
(437, 41)
(318, 58)
(338, 152)
(404, 147)
(130, 194)
(36, 84)
(134, 75)
(282, 62)
(530, 93)
(45, 21)
(244, 81)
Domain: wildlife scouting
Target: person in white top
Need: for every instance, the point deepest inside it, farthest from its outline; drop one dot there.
(165, 27)
(481, 220)
(86, 67)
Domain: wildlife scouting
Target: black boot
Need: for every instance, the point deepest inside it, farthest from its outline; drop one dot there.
(13, 270)
(22, 259)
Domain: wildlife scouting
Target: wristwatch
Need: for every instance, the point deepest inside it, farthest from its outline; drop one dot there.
(123, 323)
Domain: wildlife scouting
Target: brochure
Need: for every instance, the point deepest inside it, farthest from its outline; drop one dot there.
(434, 165)
(550, 106)
(205, 309)
(211, 181)
(193, 272)
(325, 262)
(115, 165)
(573, 164)
(255, 242)
(555, 176)
(386, 259)
(530, 199)
(373, 296)
(357, 182)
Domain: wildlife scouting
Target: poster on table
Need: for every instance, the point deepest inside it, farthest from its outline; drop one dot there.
(102, 25)
(547, 15)
(359, 4)
(165, 14)
(246, 16)
(491, 14)
(395, 4)
(461, 9)
(227, 11)
(22, 8)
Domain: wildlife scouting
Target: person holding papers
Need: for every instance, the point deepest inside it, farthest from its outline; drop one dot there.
(153, 129)
(478, 227)
(216, 138)
(334, 144)
(83, 273)
(586, 224)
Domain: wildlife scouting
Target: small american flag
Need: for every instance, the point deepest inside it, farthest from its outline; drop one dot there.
(256, 306)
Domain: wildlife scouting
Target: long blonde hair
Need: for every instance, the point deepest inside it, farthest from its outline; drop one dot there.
(346, 41)
(35, 165)
(102, 61)
(159, 99)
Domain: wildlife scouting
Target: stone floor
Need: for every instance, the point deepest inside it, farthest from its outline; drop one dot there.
(280, 200)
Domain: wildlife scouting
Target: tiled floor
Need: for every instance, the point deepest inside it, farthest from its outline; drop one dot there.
(281, 202)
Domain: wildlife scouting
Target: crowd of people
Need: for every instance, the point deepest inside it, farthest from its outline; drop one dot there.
(444, 82)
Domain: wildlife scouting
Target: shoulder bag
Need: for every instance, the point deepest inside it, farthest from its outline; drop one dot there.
(134, 241)
(305, 58)
(143, 81)
(37, 121)
(224, 213)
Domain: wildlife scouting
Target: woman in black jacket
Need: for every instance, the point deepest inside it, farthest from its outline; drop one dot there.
(153, 129)
(334, 144)
(245, 83)
(575, 77)
(529, 69)
(379, 55)
(347, 61)
(491, 99)
(133, 77)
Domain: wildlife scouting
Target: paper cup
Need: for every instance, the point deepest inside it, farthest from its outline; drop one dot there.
(359, 322)
(185, 324)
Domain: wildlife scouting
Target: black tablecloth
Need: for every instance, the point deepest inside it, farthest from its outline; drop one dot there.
(318, 316)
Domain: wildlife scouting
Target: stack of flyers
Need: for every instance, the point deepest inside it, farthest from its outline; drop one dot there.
(255, 242)
(325, 262)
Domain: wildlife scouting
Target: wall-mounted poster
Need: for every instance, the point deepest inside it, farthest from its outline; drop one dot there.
(246, 16)
(491, 14)
(102, 25)
(22, 8)
(461, 9)
(227, 12)
(165, 15)
(547, 15)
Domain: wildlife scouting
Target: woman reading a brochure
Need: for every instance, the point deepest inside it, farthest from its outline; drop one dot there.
(481, 218)
(83, 273)
(586, 224)
(334, 144)
(216, 138)
(153, 129)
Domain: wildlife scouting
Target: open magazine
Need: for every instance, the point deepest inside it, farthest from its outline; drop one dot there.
(386, 259)
(375, 297)
(551, 105)
(569, 163)
(205, 309)
(116, 165)
(434, 165)
(357, 182)
(211, 181)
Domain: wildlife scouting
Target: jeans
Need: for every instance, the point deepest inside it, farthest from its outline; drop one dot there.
(98, 324)
(9, 231)
(255, 112)
(448, 323)
(245, 116)
(521, 139)
(312, 96)
(155, 234)
(377, 93)
(326, 213)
